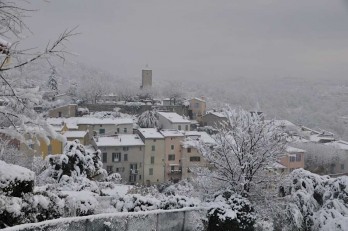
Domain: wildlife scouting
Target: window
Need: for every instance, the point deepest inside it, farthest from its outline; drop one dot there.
(125, 130)
(172, 147)
(116, 157)
(139, 177)
(342, 166)
(117, 170)
(125, 157)
(132, 178)
(298, 157)
(109, 169)
(118, 130)
(186, 127)
(125, 148)
(100, 125)
(150, 171)
(154, 140)
(152, 159)
(179, 127)
(102, 131)
(60, 114)
(292, 158)
(153, 148)
(195, 158)
(171, 157)
(196, 105)
(189, 150)
(172, 168)
(105, 157)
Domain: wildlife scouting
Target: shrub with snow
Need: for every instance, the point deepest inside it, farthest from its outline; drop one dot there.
(230, 211)
(148, 119)
(32, 207)
(136, 202)
(114, 178)
(315, 202)
(15, 180)
(76, 161)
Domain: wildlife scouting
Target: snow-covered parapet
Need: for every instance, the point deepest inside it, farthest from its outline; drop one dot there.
(15, 180)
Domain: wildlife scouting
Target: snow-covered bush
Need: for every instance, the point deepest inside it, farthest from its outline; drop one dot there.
(315, 202)
(79, 203)
(136, 202)
(114, 178)
(76, 161)
(32, 207)
(230, 211)
(15, 180)
(148, 119)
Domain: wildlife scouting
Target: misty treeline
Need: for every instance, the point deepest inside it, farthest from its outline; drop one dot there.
(313, 102)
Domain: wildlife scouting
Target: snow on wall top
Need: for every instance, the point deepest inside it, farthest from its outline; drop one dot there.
(9, 173)
(340, 144)
(119, 140)
(174, 117)
(150, 133)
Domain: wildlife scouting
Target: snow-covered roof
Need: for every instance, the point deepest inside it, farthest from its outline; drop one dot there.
(293, 150)
(218, 114)
(150, 133)
(195, 135)
(174, 117)
(119, 140)
(285, 123)
(196, 98)
(319, 137)
(93, 121)
(75, 134)
(340, 144)
(171, 133)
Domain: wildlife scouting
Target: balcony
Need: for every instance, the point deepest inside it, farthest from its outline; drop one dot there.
(133, 171)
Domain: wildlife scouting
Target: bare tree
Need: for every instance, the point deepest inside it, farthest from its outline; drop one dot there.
(18, 103)
(246, 148)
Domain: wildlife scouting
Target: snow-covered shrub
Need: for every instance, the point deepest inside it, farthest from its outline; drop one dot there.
(32, 207)
(182, 188)
(76, 161)
(79, 203)
(136, 202)
(230, 211)
(315, 202)
(15, 180)
(114, 178)
(148, 119)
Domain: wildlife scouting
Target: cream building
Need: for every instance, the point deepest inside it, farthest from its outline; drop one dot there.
(197, 108)
(191, 157)
(154, 155)
(172, 140)
(123, 154)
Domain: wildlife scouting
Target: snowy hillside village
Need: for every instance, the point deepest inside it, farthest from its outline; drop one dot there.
(218, 167)
(227, 133)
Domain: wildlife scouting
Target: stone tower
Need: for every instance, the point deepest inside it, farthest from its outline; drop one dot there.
(146, 76)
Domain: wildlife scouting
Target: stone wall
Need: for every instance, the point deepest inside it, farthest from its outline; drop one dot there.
(188, 219)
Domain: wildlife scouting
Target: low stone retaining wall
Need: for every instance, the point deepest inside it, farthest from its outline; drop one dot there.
(188, 219)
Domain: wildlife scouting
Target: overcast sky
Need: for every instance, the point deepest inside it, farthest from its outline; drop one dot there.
(201, 38)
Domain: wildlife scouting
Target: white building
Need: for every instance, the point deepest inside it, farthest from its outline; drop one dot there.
(172, 120)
